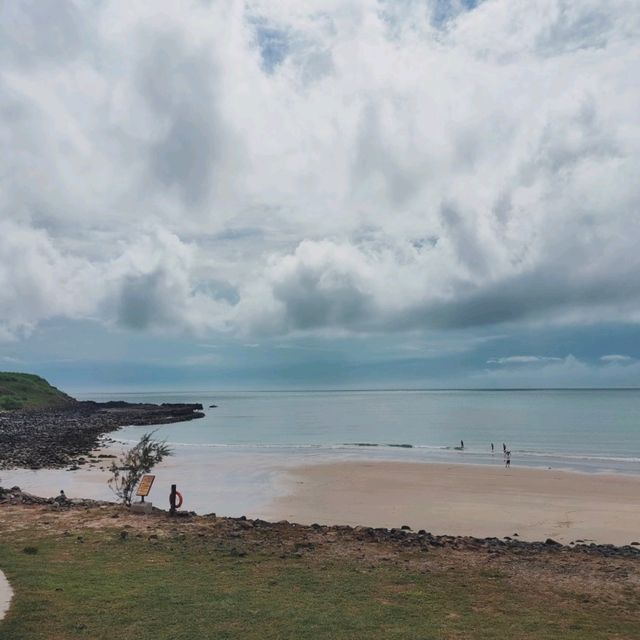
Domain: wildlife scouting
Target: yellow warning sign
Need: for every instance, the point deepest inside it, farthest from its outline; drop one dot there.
(145, 485)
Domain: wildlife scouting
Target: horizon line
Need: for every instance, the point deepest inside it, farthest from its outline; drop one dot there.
(355, 389)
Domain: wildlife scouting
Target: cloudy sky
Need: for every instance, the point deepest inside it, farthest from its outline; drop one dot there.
(329, 193)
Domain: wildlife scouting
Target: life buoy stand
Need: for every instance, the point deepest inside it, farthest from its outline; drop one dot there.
(179, 499)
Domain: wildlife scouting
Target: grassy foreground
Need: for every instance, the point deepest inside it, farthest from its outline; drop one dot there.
(169, 581)
(28, 391)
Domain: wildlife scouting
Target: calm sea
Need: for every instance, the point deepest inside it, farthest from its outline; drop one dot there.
(585, 430)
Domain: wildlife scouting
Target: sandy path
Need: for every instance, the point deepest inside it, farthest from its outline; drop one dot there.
(465, 500)
(5, 595)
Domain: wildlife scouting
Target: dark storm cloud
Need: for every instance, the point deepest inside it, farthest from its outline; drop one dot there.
(528, 297)
(309, 305)
(146, 301)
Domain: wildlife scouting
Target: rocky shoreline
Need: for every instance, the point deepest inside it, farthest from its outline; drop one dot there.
(245, 531)
(65, 437)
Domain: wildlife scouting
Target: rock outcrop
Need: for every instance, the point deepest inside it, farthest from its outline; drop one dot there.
(65, 436)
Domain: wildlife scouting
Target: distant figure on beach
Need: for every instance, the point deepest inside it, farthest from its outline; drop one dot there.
(492, 447)
(461, 444)
(507, 464)
(504, 449)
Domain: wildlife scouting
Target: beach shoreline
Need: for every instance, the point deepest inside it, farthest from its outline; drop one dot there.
(465, 499)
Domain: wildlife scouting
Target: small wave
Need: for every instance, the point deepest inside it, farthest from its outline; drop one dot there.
(239, 445)
(468, 452)
(260, 445)
(376, 444)
(576, 456)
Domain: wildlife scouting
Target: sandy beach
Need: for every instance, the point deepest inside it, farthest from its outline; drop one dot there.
(453, 499)
(473, 500)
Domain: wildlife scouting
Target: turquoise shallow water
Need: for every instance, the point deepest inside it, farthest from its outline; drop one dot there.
(583, 430)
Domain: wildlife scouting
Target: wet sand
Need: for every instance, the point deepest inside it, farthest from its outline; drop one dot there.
(211, 480)
(475, 500)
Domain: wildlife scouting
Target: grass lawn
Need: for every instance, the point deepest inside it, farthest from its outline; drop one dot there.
(194, 587)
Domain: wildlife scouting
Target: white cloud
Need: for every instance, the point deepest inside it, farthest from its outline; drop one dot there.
(616, 359)
(201, 360)
(38, 280)
(560, 372)
(524, 360)
(375, 166)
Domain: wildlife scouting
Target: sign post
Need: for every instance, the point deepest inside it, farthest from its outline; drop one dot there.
(172, 500)
(145, 486)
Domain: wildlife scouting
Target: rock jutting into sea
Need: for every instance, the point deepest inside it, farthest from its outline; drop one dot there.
(65, 436)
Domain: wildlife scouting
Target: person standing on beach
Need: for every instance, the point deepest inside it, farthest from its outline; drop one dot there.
(507, 464)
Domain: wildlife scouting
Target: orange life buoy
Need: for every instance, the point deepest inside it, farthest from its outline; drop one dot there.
(179, 499)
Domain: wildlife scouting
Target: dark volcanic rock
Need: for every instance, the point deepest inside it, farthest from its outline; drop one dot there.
(16, 496)
(59, 437)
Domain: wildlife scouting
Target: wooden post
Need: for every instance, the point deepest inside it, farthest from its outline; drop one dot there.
(172, 500)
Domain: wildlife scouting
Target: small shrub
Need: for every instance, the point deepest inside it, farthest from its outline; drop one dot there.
(127, 471)
(30, 550)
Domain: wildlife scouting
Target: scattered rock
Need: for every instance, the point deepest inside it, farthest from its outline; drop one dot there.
(301, 539)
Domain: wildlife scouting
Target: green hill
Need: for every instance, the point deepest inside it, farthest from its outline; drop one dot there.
(28, 391)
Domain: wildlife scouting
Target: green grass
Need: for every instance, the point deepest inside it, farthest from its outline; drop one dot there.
(191, 589)
(26, 390)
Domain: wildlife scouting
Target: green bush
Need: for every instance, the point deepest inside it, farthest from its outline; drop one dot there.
(10, 403)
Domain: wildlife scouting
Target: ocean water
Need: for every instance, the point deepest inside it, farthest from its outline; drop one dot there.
(581, 430)
(238, 459)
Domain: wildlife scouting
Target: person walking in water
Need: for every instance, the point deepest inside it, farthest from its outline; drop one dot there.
(504, 449)
(462, 444)
(507, 463)
(492, 447)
